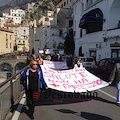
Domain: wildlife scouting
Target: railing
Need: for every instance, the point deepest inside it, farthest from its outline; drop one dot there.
(9, 92)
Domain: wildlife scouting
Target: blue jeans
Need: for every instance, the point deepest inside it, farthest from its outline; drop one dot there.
(118, 92)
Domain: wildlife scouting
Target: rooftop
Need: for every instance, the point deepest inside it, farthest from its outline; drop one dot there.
(3, 29)
(13, 25)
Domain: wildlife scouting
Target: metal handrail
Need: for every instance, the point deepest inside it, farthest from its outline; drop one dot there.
(9, 79)
(11, 93)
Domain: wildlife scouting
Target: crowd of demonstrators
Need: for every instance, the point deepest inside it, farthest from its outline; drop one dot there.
(32, 78)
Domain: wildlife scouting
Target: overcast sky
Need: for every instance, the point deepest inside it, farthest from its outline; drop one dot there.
(3, 2)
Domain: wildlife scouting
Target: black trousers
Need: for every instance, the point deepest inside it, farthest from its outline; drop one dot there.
(30, 100)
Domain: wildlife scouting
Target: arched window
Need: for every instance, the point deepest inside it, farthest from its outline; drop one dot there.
(5, 67)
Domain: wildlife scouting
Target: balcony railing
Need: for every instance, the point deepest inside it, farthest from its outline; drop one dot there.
(10, 91)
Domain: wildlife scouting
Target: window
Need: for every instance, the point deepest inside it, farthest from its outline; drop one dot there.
(24, 37)
(24, 31)
(80, 32)
(64, 3)
(10, 45)
(93, 28)
(46, 19)
(70, 23)
(23, 42)
(6, 36)
(67, 1)
(6, 43)
(15, 33)
(10, 37)
(115, 53)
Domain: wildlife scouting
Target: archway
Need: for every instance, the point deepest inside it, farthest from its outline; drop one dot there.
(6, 70)
(19, 66)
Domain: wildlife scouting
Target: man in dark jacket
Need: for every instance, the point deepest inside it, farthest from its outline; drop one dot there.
(115, 75)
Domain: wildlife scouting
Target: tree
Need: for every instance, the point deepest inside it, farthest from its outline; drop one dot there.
(69, 43)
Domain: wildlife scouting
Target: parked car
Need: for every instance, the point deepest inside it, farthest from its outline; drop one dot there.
(88, 62)
(104, 67)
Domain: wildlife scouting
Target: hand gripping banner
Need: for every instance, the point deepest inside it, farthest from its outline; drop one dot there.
(74, 80)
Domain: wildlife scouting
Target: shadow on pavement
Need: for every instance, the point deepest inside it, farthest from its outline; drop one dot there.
(103, 100)
(66, 111)
(86, 115)
(92, 116)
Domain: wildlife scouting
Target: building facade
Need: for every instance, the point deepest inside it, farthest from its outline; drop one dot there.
(2, 22)
(97, 28)
(17, 12)
(6, 41)
(21, 41)
(51, 31)
(14, 17)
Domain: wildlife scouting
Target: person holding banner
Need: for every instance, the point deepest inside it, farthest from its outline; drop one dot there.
(115, 75)
(33, 78)
(78, 65)
(40, 60)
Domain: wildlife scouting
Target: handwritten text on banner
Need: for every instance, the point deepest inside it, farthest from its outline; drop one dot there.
(74, 80)
(55, 64)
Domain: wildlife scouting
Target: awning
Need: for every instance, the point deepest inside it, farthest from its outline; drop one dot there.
(94, 16)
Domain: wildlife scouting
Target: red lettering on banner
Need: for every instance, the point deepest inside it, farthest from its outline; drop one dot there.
(66, 86)
(55, 85)
(50, 80)
(83, 86)
(99, 82)
(84, 80)
(75, 86)
(82, 74)
(58, 81)
(67, 76)
(54, 76)
(47, 74)
(59, 72)
(74, 74)
(77, 81)
(65, 81)
(95, 83)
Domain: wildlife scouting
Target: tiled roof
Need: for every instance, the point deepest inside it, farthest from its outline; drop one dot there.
(13, 25)
(3, 29)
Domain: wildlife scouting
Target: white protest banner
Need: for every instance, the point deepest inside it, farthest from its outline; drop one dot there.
(55, 65)
(74, 80)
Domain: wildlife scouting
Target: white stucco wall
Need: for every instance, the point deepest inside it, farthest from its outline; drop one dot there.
(88, 42)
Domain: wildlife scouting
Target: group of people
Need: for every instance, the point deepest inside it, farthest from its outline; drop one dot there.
(32, 78)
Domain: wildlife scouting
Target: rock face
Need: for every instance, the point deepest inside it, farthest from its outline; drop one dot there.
(14, 4)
